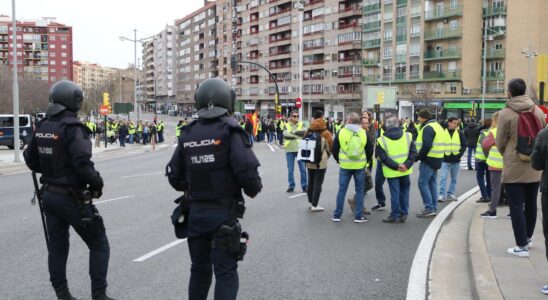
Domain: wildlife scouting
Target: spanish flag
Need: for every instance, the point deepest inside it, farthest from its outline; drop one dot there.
(254, 121)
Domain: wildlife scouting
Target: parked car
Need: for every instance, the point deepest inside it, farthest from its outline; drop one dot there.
(26, 129)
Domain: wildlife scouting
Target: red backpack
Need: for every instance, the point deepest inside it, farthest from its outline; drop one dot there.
(528, 128)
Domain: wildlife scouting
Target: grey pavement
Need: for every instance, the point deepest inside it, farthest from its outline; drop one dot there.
(470, 260)
(293, 253)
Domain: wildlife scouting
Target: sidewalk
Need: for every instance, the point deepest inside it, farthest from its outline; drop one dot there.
(469, 260)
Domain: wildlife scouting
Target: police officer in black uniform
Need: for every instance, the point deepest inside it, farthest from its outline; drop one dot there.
(61, 151)
(213, 162)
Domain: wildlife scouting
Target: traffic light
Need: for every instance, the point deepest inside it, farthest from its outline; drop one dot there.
(279, 109)
(105, 99)
(380, 97)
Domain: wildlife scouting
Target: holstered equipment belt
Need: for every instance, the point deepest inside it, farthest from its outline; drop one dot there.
(61, 190)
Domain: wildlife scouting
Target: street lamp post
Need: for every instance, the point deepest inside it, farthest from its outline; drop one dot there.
(135, 40)
(484, 73)
(17, 153)
(529, 54)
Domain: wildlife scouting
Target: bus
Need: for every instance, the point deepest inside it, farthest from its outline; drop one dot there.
(6, 130)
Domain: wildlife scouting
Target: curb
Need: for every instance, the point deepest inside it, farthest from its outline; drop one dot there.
(483, 280)
(418, 276)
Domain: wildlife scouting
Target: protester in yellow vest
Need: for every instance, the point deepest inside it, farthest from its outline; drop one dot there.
(397, 153)
(161, 127)
(293, 132)
(131, 131)
(139, 131)
(482, 172)
(178, 129)
(495, 164)
(455, 145)
(431, 149)
(349, 152)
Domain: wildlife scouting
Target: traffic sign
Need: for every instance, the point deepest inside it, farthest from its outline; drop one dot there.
(298, 102)
(104, 110)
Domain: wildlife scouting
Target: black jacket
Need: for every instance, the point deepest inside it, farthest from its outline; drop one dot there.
(396, 134)
(428, 136)
(539, 158)
(471, 132)
(456, 158)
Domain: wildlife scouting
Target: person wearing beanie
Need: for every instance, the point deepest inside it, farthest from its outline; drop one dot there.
(431, 149)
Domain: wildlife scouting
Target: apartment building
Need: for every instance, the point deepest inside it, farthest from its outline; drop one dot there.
(432, 51)
(228, 34)
(148, 68)
(44, 48)
(164, 65)
(89, 75)
(332, 54)
(197, 52)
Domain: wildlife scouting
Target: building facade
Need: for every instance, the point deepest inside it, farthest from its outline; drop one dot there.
(197, 56)
(148, 68)
(164, 65)
(44, 48)
(89, 75)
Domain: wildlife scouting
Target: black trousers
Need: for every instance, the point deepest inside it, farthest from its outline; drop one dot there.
(315, 182)
(61, 212)
(544, 203)
(522, 199)
(205, 261)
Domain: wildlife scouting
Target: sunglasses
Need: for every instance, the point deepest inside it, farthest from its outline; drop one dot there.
(295, 116)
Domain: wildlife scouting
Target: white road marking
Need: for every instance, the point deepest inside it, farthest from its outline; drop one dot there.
(416, 288)
(158, 251)
(114, 199)
(140, 175)
(271, 148)
(298, 195)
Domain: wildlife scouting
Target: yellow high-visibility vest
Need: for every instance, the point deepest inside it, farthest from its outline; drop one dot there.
(398, 151)
(495, 159)
(452, 143)
(344, 138)
(438, 145)
(480, 155)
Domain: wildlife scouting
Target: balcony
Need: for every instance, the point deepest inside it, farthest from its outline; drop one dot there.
(371, 78)
(372, 26)
(313, 62)
(311, 2)
(350, 58)
(400, 77)
(401, 2)
(401, 59)
(492, 11)
(496, 53)
(371, 8)
(495, 75)
(349, 75)
(441, 76)
(495, 91)
(372, 44)
(374, 62)
(348, 25)
(442, 54)
(443, 34)
(447, 12)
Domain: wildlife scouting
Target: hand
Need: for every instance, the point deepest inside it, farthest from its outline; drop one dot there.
(96, 186)
(402, 168)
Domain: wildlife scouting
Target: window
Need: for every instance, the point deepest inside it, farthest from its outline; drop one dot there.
(52, 70)
(388, 34)
(52, 46)
(452, 66)
(453, 25)
(415, 49)
(52, 54)
(64, 38)
(387, 53)
(63, 70)
(452, 87)
(64, 62)
(63, 54)
(52, 62)
(63, 46)
(415, 30)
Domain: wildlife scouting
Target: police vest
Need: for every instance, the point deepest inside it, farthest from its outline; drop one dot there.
(452, 143)
(480, 155)
(55, 162)
(495, 159)
(345, 162)
(292, 128)
(438, 145)
(398, 151)
(206, 149)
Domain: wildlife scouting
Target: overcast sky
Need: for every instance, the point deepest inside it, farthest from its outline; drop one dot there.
(97, 24)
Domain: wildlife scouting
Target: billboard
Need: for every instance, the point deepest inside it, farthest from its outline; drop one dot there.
(383, 95)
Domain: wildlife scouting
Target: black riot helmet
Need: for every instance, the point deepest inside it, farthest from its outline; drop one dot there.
(214, 98)
(63, 95)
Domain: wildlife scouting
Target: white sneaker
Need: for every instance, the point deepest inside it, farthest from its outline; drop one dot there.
(316, 208)
(518, 251)
(530, 243)
(441, 198)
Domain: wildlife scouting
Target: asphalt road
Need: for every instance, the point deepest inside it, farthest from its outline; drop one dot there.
(293, 254)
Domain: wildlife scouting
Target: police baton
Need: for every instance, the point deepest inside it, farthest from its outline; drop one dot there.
(38, 195)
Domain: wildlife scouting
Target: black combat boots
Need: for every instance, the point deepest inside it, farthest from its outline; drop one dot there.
(64, 294)
(101, 295)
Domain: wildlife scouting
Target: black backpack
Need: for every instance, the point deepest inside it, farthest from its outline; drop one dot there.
(306, 152)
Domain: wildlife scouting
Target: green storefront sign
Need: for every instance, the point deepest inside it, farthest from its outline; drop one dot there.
(468, 105)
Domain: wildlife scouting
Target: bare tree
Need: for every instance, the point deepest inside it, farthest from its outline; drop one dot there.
(33, 93)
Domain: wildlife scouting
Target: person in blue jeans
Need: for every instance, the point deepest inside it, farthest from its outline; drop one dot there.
(482, 174)
(293, 133)
(349, 152)
(431, 149)
(455, 145)
(397, 153)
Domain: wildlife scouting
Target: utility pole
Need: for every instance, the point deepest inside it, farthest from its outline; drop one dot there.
(530, 55)
(16, 142)
(301, 16)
